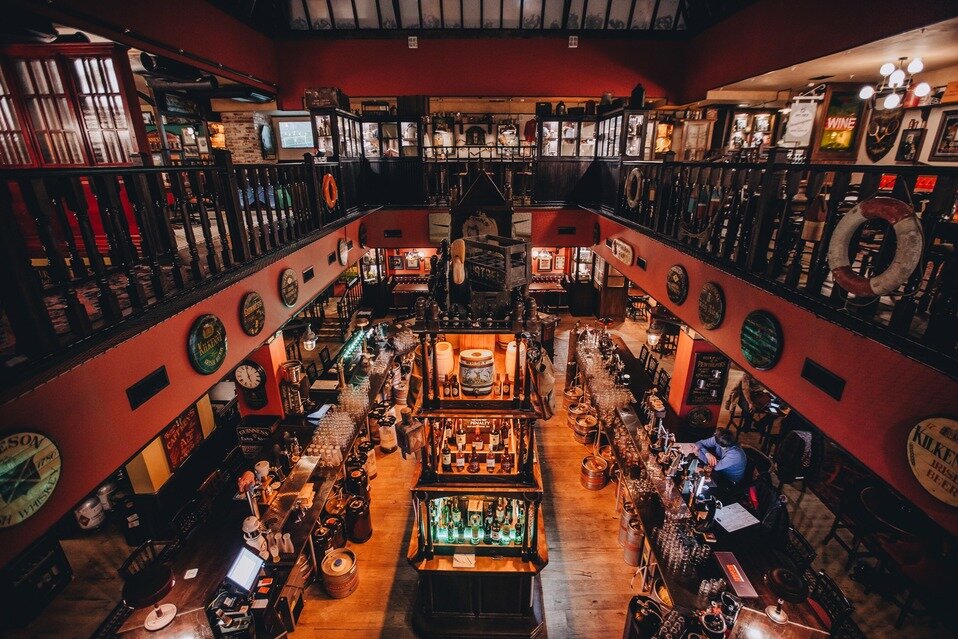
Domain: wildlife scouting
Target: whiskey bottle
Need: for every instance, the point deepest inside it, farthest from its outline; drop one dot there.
(477, 440)
(505, 535)
(474, 462)
(506, 387)
(495, 533)
(446, 458)
(460, 436)
(494, 436)
(446, 386)
(501, 509)
(455, 386)
(506, 462)
(460, 459)
(497, 387)
(491, 461)
(451, 533)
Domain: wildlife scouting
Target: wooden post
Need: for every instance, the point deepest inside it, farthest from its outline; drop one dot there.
(757, 257)
(229, 196)
(314, 192)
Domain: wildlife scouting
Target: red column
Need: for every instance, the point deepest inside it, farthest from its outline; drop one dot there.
(270, 356)
(688, 349)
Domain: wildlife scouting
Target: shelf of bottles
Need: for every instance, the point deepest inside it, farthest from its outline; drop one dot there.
(479, 449)
(480, 523)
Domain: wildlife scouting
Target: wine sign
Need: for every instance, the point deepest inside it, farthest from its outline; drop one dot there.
(677, 284)
(289, 287)
(29, 471)
(761, 340)
(709, 376)
(711, 305)
(252, 313)
(182, 437)
(933, 456)
(206, 344)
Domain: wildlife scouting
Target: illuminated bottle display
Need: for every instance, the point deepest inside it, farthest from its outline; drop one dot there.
(498, 522)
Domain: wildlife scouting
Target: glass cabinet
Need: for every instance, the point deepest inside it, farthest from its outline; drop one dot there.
(338, 134)
(569, 137)
(582, 264)
(607, 138)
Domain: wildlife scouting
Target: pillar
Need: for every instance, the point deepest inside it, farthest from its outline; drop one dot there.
(697, 361)
(270, 356)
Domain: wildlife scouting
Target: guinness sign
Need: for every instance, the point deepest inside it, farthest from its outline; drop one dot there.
(933, 456)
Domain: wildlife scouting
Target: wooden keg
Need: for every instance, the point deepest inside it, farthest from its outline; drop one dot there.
(628, 512)
(595, 473)
(633, 542)
(476, 371)
(340, 573)
(573, 393)
(585, 425)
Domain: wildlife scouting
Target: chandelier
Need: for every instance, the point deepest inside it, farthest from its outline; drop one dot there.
(896, 79)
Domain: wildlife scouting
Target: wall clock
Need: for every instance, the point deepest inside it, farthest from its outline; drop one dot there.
(288, 287)
(761, 340)
(711, 305)
(206, 344)
(342, 251)
(252, 313)
(677, 284)
(251, 378)
(29, 471)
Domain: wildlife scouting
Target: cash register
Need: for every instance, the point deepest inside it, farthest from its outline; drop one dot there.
(230, 612)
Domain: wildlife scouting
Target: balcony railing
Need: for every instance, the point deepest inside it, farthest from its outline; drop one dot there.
(84, 250)
(772, 223)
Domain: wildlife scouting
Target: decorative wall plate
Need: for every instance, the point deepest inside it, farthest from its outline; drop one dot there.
(289, 287)
(206, 344)
(29, 471)
(711, 305)
(932, 447)
(677, 284)
(252, 313)
(762, 340)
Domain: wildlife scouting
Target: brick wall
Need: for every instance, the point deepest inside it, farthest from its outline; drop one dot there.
(242, 135)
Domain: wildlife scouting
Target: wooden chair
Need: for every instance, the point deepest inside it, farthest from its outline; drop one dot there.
(143, 556)
(828, 601)
(663, 381)
(643, 355)
(325, 359)
(798, 551)
(845, 519)
(651, 367)
(188, 520)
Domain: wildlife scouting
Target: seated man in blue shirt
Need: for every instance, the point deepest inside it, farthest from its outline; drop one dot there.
(726, 458)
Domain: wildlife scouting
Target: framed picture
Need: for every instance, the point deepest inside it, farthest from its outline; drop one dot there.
(839, 124)
(189, 136)
(910, 145)
(945, 148)
(395, 263)
(267, 141)
(545, 261)
(560, 262)
(412, 261)
(202, 144)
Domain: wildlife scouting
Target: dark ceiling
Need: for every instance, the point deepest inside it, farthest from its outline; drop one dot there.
(378, 18)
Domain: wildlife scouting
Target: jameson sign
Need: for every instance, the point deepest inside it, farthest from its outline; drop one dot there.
(29, 471)
(933, 457)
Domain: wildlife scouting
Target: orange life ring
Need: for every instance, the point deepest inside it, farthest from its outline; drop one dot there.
(908, 246)
(330, 191)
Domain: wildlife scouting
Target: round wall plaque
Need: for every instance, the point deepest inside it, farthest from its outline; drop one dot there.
(711, 305)
(342, 251)
(252, 313)
(932, 450)
(761, 340)
(677, 284)
(29, 471)
(289, 287)
(207, 344)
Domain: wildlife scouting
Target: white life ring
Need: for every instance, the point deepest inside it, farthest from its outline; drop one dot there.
(633, 187)
(909, 246)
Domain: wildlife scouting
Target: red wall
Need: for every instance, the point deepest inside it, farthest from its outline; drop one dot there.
(86, 413)
(773, 34)
(886, 393)
(541, 66)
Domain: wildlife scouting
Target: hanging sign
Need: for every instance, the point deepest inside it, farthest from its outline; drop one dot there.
(289, 287)
(677, 284)
(252, 313)
(709, 376)
(933, 457)
(882, 132)
(711, 305)
(801, 121)
(761, 340)
(623, 251)
(29, 471)
(206, 344)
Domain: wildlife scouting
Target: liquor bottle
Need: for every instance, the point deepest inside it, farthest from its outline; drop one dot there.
(491, 461)
(494, 436)
(460, 436)
(451, 533)
(447, 432)
(474, 462)
(455, 386)
(477, 440)
(506, 387)
(446, 386)
(456, 516)
(506, 462)
(501, 509)
(446, 458)
(497, 387)
(460, 459)
(496, 532)
(505, 535)
(476, 535)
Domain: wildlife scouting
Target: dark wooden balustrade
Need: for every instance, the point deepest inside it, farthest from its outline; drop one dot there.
(348, 304)
(751, 219)
(86, 249)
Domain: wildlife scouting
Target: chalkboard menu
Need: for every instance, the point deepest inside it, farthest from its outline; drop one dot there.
(252, 313)
(711, 305)
(709, 376)
(289, 287)
(182, 436)
(761, 340)
(677, 284)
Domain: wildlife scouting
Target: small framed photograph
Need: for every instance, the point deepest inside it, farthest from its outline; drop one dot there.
(188, 135)
(395, 263)
(545, 261)
(910, 145)
(560, 262)
(202, 144)
(412, 261)
(945, 147)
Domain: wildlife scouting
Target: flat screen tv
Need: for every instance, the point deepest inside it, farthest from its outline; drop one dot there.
(294, 136)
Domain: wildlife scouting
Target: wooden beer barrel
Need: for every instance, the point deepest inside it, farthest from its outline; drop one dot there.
(340, 573)
(595, 473)
(633, 542)
(584, 425)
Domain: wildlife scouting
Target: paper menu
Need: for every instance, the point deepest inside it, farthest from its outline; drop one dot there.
(734, 517)
(461, 560)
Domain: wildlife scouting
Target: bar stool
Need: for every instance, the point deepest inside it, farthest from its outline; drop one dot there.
(828, 601)
(663, 381)
(643, 356)
(847, 518)
(146, 580)
(651, 367)
(796, 549)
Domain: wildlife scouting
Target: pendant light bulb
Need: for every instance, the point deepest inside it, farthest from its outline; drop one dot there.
(891, 101)
(866, 92)
(896, 79)
(309, 339)
(922, 89)
(886, 69)
(916, 66)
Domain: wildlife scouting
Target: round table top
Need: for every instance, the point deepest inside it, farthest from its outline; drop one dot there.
(148, 586)
(788, 585)
(889, 511)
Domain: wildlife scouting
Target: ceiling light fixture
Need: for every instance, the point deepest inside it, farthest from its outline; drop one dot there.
(897, 80)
